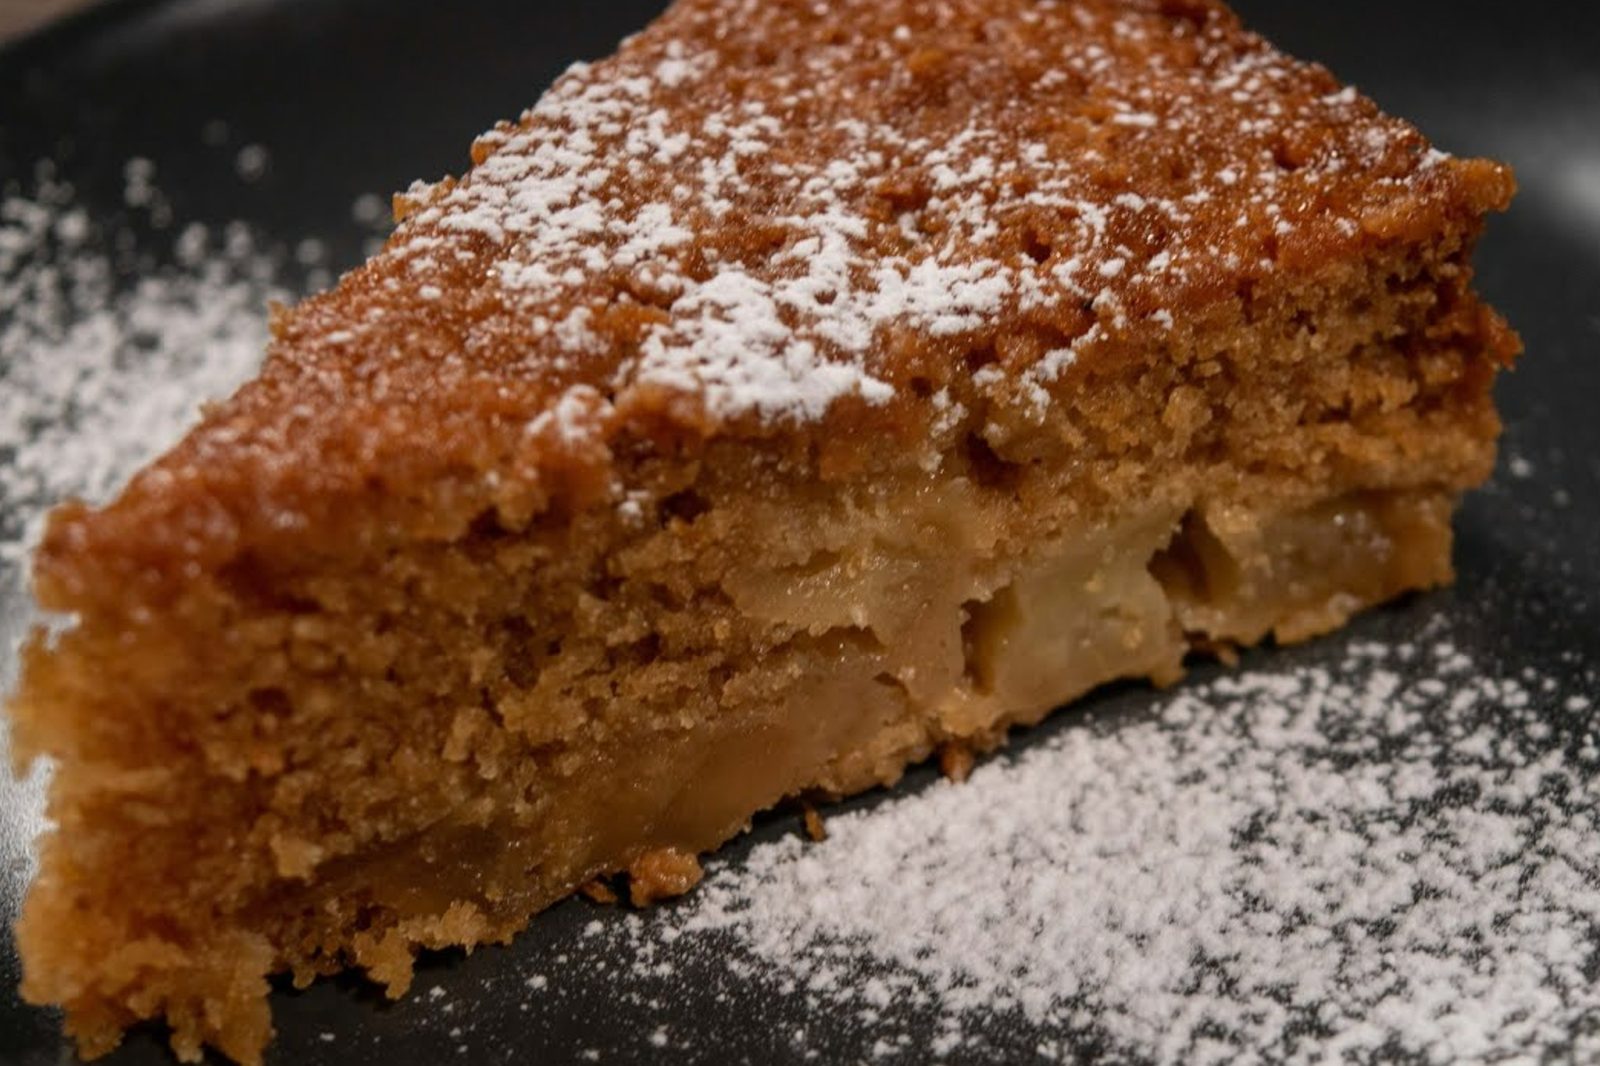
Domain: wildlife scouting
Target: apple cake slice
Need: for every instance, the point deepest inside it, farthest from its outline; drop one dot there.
(805, 390)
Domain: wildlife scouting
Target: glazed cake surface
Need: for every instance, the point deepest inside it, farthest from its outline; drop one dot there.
(803, 391)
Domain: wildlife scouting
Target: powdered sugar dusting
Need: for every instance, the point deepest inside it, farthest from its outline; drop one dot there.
(99, 374)
(756, 232)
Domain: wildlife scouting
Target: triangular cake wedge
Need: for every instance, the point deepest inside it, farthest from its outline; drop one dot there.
(805, 390)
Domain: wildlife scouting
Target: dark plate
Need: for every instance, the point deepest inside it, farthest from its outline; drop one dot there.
(354, 96)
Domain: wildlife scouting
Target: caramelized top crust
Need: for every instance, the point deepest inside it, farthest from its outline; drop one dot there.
(817, 225)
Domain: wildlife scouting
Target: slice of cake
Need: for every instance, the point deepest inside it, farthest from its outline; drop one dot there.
(808, 389)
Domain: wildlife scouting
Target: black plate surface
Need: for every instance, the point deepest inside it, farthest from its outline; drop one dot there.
(358, 96)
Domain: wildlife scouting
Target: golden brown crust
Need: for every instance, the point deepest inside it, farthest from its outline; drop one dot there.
(1092, 178)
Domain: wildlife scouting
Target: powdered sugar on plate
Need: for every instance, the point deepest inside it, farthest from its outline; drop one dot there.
(99, 372)
(1390, 854)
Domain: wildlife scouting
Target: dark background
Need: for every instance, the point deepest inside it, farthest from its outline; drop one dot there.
(361, 96)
